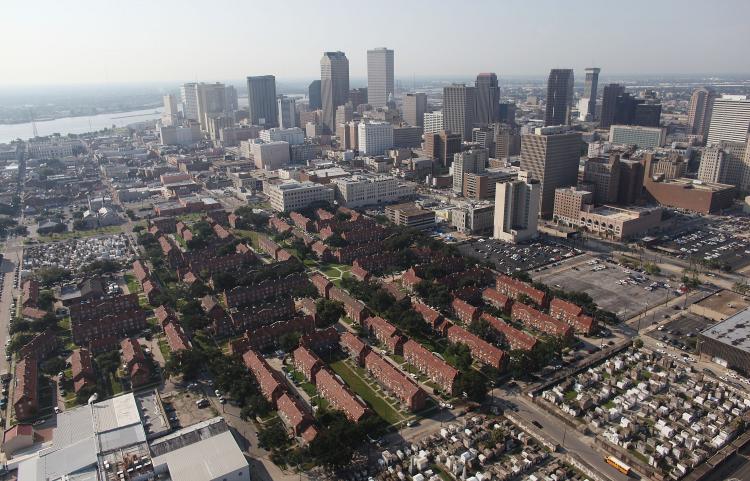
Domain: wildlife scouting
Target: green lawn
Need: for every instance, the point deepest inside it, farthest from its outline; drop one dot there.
(299, 378)
(570, 395)
(79, 234)
(133, 285)
(164, 348)
(378, 404)
(114, 385)
(251, 235)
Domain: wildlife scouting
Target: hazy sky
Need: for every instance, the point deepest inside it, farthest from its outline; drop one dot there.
(106, 41)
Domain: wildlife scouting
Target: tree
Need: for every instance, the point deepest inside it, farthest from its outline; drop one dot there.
(638, 343)
(108, 362)
(49, 276)
(474, 385)
(53, 365)
(18, 341)
(436, 295)
(329, 312)
(336, 241)
(273, 437)
(187, 362)
(289, 341)
(101, 267)
(459, 356)
(46, 300)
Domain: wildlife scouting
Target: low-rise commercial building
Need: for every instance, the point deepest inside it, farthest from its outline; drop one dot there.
(291, 195)
(367, 189)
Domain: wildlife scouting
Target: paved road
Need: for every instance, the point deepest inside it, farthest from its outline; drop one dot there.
(568, 438)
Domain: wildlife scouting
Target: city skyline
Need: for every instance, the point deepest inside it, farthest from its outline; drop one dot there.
(124, 51)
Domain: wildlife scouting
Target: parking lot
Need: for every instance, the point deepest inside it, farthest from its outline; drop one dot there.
(681, 332)
(613, 287)
(715, 247)
(510, 258)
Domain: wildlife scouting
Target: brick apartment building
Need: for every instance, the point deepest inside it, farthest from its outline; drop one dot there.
(40, 346)
(396, 382)
(355, 347)
(134, 361)
(339, 395)
(481, 350)
(278, 225)
(307, 362)
(26, 389)
(439, 371)
(321, 341)
(516, 339)
(430, 315)
(269, 288)
(296, 418)
(272, 385)
(573, 315)
(176, 337)
(497, 299)
(116, 316)
(464, 311)
(514, 288)
(267, 338)
(82, 367)
(386, 333)
(540, 321)
(262, 314)
(355, 309)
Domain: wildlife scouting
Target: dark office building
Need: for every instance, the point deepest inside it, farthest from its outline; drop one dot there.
(358, 97)
(631, 182)
(507, 113)
(261, 100)
(609, 100)
(459, 104)
(313, 93)
(442, 146)
(559, 97)
(487, 98)
(647, 115)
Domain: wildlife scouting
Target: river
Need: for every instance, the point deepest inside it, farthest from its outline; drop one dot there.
(76, 125)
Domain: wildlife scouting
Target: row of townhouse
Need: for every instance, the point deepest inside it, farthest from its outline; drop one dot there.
(514, 288)
(135, 363)
(386, 333)
(540, 321)
(481, 350)
(573, 315)
(26, 389)
(260, 291)
(273, 249)
(261, 314)
(354, 308)
(295, 416)
(267, 338)
(82, 370)
(515, 338)
(439, 371)
(115, 316)
(395, 381)
(328, 385)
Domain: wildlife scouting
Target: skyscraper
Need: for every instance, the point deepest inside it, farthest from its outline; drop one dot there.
(313, 93)
(334, 86)
(458, 109)
(730, 119)
(212, 102)
(286, 107)
(471, 161)
(609, 104)
(358, 97)
(189, 97)
(261, 100)
(170, 115)
(559, 97)
(587, 105)
(699, 113)
(433, 122)
(517, 209)
(231, 98)
(551, 155)
(415, 105)
(379, 76)
(488, 99)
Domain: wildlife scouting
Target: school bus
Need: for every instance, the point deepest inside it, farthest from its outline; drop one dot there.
(618, 465)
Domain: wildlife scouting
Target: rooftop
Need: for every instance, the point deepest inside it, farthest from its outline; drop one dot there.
(734, 331)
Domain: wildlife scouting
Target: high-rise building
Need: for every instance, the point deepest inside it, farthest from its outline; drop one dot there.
(415, 106)
(484, 137)
(603, 174)
(642, 137)
(517, 205)
(587, 105)
(344, 113)
(699, 113)
(730, 119)
(287, 109)
(334, 86)
(189, 97)
(313, 94)
(170, 115)
(212, 100)
(472, 161)
(631, 181)
(261, 100)
(610, 95)
(723, 163)
(559, 97)
(487, 99)
(379, 76)
(507, 141)
(647, 114)
(507, 113)
(433, 122)
(358, 97)
(458, 109)
(375, 137)
(442, 146)
(407, 137)
(551, 155)
(232, 103)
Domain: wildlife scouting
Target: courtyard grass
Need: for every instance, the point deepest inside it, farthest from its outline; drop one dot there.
(133, 285)
(359, 386)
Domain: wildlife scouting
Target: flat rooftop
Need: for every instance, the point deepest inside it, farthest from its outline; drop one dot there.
(734, 331)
